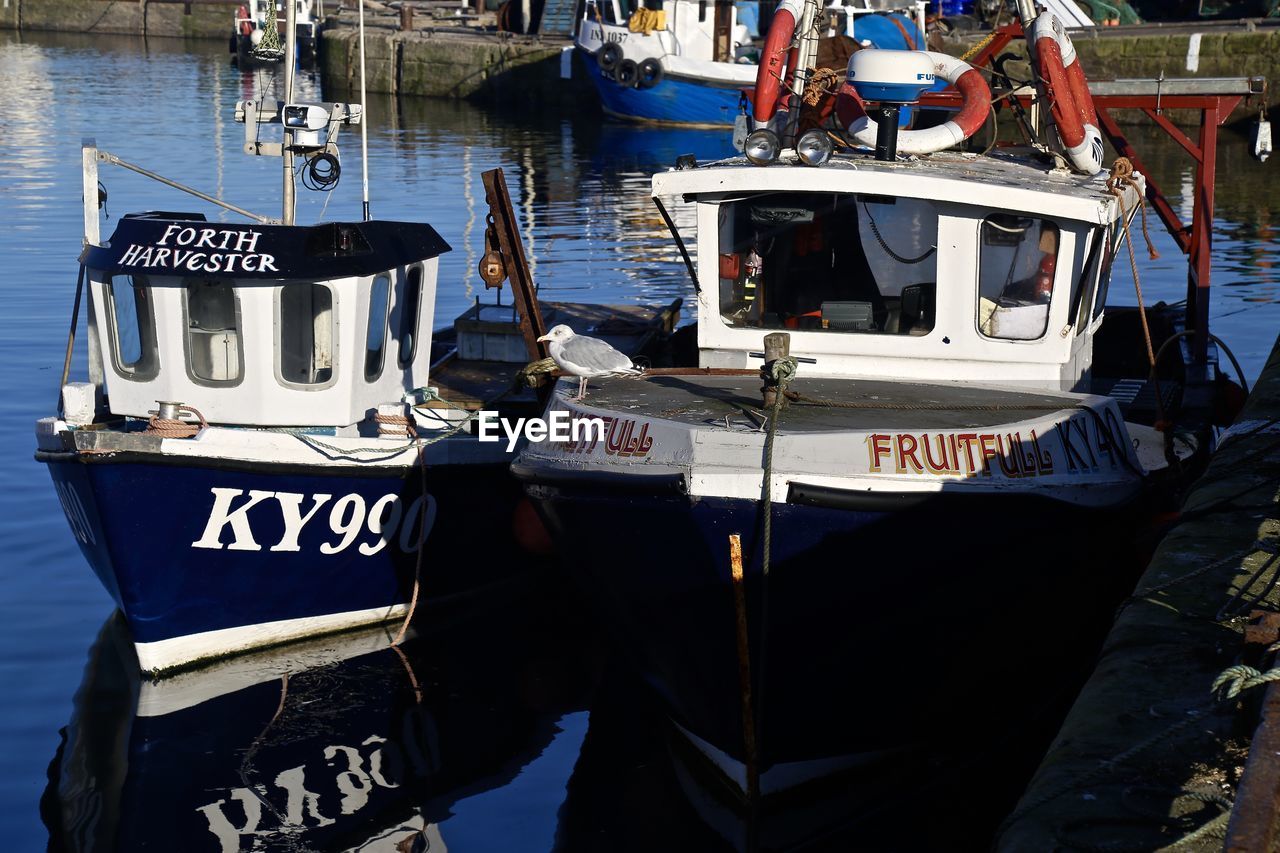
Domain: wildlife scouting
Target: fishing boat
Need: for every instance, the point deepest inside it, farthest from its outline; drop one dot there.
(829, 562)
(270, 437)
(689, 62)
(255, 32)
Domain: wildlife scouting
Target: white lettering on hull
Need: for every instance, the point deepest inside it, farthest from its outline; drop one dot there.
(349, 517)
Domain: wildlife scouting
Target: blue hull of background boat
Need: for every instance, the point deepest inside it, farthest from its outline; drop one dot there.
(178, 563)
(671, 101)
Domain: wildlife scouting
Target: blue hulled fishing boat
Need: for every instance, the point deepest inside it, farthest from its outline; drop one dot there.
(693, 63)
(943, 453)
(256, 455)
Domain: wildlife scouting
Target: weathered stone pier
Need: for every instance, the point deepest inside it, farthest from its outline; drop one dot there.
(1149, 756)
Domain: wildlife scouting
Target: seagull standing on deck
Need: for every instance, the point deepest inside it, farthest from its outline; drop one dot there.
(586, 358)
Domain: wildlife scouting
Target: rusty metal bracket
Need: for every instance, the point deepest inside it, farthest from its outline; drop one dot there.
(517, 266)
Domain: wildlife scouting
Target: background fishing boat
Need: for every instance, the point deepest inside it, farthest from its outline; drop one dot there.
(686, 62)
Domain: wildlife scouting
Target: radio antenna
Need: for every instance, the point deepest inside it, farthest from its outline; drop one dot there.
(364, 125)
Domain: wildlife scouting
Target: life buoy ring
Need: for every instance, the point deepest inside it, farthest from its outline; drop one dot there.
(851, 111)
(246, 25)
(609, 56)
(1064, 86)
(775, 57)
(627, 74)
(649, 73)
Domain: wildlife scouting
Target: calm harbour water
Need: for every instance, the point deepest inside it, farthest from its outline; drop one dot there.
(508, 763)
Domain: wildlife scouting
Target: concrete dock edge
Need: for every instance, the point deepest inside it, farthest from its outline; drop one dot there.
(1147, 756)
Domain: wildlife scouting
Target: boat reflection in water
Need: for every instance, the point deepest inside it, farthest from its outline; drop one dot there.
(342, 743)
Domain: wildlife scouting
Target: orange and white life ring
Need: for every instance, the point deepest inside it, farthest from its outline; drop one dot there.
(246, 25)
(775, 57)
(1063, 85)
(851, 111)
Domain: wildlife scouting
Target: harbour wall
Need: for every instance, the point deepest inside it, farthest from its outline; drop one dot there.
(439, 58)
(165, 18)
(519, 70)
(1148, 757)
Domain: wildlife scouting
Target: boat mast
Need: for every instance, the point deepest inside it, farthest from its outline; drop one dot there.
(290, 49)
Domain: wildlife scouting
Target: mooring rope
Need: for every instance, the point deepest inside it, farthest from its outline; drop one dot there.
(780, 371)
(1122, 176)
(176, 427)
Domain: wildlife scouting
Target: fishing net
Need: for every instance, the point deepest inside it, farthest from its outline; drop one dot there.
(270, 49)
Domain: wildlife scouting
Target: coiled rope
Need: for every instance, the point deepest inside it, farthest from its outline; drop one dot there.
(821, 85)
(176, 427)
(1234, 680)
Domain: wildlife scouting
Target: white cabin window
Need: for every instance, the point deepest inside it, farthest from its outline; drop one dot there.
(1017, 260)
(214, 355)
(376, 339)
(410, 315)
(305, 327)
(1084, 287)
(829, 262)
(133, 328)
(1114, 237)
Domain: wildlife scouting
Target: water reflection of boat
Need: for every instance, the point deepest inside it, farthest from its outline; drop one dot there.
(339, 744)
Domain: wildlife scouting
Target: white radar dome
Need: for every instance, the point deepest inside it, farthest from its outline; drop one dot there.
(892, 76)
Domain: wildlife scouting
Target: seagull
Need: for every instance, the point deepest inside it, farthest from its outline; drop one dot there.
(586, 358)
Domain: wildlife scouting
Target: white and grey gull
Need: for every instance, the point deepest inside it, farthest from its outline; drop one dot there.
(586, 357)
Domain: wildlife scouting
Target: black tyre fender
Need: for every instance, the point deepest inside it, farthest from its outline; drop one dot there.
(649, 74)
(628, 72)
(609, 56)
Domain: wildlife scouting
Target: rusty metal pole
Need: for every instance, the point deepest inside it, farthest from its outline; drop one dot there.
(744, 669)
(512, 248)
(406, 18)
(1202, 234)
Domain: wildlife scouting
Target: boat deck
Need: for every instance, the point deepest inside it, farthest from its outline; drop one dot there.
(735, 401)
(628, 328)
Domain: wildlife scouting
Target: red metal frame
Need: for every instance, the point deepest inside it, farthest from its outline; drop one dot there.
(1195, 240)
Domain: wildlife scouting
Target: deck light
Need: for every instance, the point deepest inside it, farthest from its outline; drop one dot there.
(306, 121)
(762, 147)
(814, 148)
